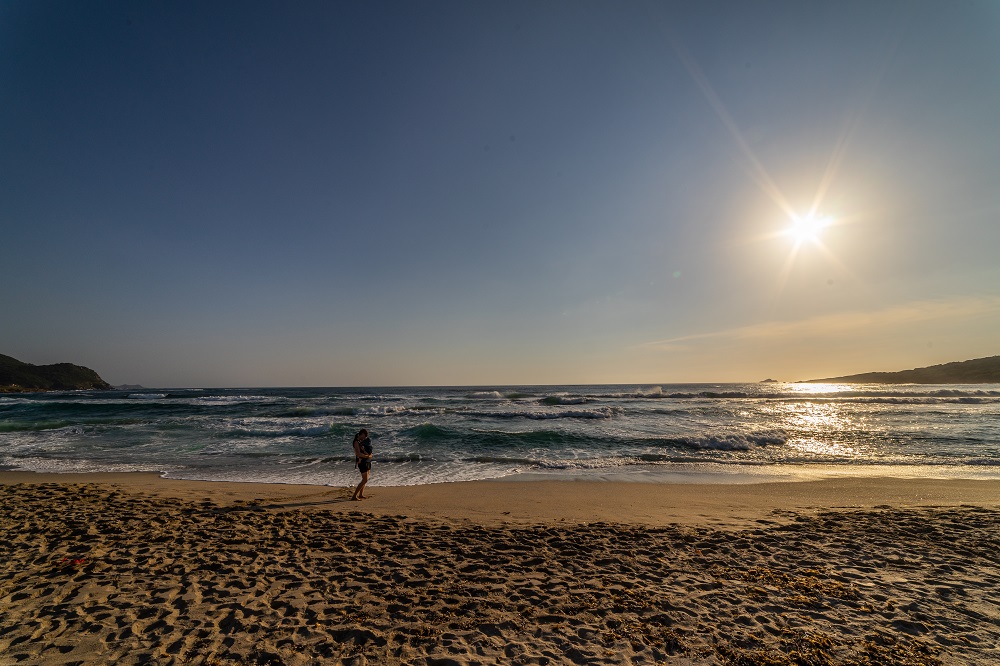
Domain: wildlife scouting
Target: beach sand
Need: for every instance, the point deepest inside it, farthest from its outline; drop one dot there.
(134, 569)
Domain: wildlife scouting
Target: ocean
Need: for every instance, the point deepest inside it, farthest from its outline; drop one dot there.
(735, 433)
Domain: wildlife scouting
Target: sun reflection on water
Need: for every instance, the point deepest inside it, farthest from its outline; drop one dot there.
(820, 429)
(812, 389)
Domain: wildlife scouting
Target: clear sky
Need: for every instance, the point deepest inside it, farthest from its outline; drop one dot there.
(468, 193)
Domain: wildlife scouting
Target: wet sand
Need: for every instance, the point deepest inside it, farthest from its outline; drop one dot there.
(134, 569)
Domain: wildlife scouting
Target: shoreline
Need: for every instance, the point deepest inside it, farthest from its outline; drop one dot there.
(575, 501)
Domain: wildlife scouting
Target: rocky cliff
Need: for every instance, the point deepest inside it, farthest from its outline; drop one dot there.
(16, 376)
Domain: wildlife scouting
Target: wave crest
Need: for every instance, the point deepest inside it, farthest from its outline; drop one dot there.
(733, 441)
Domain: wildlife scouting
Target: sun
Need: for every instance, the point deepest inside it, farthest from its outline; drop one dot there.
(804, 236)
(807, 229)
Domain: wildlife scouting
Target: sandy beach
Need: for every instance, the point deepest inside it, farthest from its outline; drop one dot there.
(134, 569)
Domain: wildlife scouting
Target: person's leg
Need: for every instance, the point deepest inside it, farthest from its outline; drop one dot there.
(360, 487)
(359, 492)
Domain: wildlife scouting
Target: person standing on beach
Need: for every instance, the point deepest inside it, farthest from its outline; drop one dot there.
(363, 461)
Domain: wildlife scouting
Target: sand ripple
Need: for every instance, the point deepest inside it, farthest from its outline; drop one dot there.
(90, 574)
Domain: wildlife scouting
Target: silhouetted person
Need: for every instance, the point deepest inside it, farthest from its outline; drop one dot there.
(363, 461)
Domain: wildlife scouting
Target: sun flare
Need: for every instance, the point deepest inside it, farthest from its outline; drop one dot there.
(808, 228)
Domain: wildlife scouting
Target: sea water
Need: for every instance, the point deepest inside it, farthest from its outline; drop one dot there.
(668, 433)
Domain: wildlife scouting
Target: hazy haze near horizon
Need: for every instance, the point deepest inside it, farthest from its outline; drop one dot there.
(250, 194)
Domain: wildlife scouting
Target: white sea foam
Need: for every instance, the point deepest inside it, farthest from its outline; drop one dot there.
(423, 435)
(736, 441)
(600, 413)
(543, 415)
(230, 399)
(381, 410)
(12, 400)
(66, 431)
(72, 466)
(564, 399)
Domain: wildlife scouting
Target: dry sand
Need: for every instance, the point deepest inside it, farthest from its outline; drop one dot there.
(134, 569)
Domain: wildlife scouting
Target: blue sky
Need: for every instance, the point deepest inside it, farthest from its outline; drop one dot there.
(253, 194)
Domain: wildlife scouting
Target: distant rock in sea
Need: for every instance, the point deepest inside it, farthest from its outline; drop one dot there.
(976, 371)
(768, 381)
(17, 376)
(128, 387)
